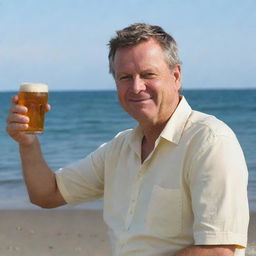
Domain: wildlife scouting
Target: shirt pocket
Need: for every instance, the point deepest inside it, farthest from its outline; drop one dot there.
(164, 214)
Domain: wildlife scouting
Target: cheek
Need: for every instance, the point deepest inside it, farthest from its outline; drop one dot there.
(165, 95)
(158, 92)
(121, 93)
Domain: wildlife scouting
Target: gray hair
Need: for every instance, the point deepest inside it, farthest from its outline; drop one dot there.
(135, 33)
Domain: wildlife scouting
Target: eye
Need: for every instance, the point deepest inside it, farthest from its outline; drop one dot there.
(124, 77)
(148, 75)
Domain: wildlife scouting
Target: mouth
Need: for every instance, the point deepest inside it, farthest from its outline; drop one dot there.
(140, 100)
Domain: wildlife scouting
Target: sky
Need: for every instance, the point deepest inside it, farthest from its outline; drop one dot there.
(64, 43)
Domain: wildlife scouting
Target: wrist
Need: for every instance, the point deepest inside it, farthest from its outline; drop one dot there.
(29, 143)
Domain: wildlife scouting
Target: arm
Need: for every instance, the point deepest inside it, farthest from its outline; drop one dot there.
(39, 178)
(217, 173)
(208, 250)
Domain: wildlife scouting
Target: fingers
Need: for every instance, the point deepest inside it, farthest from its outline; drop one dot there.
(13, 128)
(17, 108)
(16, 122)
(15, 99)
(16, 119)
(47, 108)
(22, 110)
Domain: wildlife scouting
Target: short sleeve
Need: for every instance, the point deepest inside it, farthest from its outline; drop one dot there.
(83, 180)
(218, 185)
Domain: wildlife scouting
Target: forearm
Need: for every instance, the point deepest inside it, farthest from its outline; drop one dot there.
(208, 250)
(39, 178)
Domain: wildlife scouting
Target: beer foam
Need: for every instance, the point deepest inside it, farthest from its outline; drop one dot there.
(33, 87)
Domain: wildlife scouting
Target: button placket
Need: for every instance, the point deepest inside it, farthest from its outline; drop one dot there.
(134, 199)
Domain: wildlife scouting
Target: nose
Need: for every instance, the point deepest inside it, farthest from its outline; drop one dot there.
(138, 85)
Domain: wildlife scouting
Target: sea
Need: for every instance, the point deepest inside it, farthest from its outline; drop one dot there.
(80, 121)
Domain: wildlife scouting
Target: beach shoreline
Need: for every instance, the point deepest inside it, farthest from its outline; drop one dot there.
(65, 232)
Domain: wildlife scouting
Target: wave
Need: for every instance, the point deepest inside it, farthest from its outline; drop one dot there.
(11, 182)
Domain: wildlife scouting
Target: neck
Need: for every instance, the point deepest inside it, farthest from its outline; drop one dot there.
(152, 132)
(148, 142)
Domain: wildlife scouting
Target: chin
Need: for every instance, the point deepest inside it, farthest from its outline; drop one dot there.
(143, 117)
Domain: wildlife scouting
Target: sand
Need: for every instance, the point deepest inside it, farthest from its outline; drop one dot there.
(64, 232)
(53, 232)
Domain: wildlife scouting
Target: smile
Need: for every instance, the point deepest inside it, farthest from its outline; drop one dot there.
(140, 100)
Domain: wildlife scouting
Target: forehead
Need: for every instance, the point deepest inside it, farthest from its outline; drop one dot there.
(146, 54)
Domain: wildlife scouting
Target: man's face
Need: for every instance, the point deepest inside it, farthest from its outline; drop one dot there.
(148, 89)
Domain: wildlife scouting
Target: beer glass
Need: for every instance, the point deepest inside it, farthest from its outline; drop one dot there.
(34, 96)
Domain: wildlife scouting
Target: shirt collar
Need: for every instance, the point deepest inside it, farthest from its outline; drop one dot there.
(173, 129)
(136, 139)
(175, 126)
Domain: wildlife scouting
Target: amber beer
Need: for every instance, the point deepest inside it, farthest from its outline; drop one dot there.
(34, 97)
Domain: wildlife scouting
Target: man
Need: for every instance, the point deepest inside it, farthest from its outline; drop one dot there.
(174, 185)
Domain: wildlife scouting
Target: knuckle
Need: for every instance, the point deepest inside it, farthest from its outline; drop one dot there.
(14, 99)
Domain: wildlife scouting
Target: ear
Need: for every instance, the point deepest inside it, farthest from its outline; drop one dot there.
(177, 76)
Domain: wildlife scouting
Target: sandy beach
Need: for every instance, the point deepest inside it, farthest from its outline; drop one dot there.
(65, 233)
(53, 233)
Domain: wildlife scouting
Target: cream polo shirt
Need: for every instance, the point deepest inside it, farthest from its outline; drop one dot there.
(191, 189)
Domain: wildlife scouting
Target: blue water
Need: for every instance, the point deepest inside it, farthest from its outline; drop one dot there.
(80, 121)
